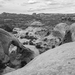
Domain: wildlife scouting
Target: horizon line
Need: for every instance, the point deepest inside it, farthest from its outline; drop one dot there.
(39, 13)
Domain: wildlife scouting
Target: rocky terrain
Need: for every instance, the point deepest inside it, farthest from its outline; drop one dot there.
(40, 41)
(57, 61)
(35, 48)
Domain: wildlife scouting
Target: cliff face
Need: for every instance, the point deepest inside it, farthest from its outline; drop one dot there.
(57, 61)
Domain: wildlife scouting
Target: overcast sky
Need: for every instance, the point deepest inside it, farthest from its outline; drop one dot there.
(37, 6)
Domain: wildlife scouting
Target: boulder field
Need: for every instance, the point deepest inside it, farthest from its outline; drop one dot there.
(57, 61)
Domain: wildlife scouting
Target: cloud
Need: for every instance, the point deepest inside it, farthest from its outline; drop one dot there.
(2, 2)
(29, 2)
(1, 6)
(32, 1)
(36, 5)
(59, 2)
(43, 4)
(52, 5)
(8, 0)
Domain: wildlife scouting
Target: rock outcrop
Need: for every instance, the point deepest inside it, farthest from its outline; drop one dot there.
(62, 28)
(57, 61)
(12, 57)
(72, 29)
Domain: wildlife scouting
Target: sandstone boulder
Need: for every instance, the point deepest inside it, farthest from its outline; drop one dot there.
(62, 28)
(72, 29)
(57, 61)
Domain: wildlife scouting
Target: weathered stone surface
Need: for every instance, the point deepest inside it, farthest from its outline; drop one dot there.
(62, 28)
(7, 70)
(7, 39)
(34, 49)
(57, 61)
(72, 29)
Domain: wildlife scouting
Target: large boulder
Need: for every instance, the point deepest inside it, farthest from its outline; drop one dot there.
(72, 29)
(62, 31)
(20, 59)
(57, 61)
(34, 49)
(62, 28)
(7, 39)
(16, 57)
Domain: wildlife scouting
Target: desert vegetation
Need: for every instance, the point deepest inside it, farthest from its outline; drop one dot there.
(8, 21)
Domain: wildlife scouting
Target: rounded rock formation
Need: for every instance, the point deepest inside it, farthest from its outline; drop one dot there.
(57, 61)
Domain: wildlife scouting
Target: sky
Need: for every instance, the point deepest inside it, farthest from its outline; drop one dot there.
(37, 6)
